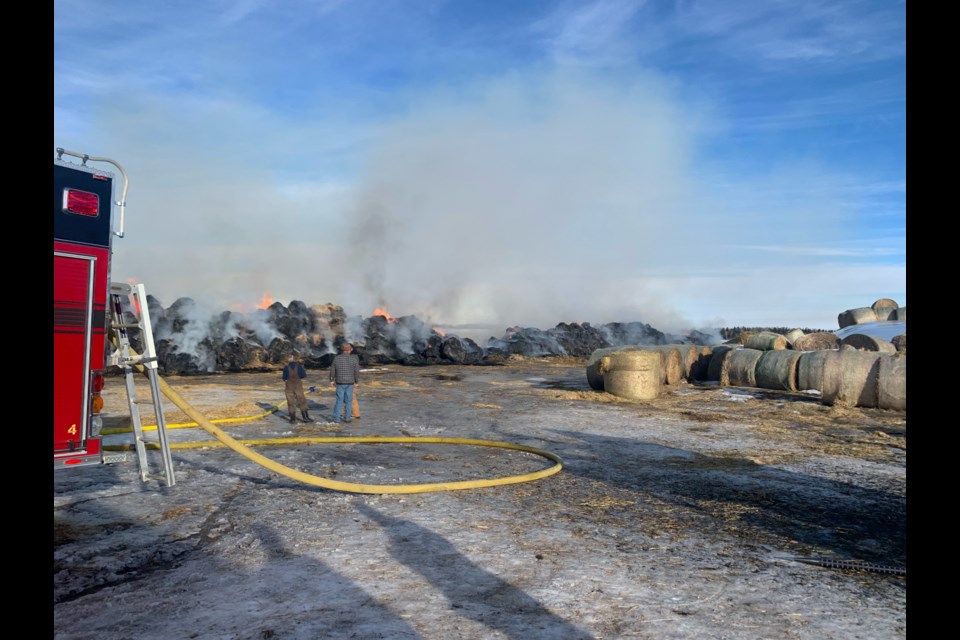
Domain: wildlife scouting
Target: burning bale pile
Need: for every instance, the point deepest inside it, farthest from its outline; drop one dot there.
(851, 366)
(191, 340)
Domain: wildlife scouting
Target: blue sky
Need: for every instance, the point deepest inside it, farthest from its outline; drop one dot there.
(685, 164)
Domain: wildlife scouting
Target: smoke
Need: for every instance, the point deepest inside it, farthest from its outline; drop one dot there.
(524, 200)
(510, 204)
(353, 330)
(256, 323)
(193, 325)
(533, 200)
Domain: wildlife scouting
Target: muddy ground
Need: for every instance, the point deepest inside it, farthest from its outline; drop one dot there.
(683, 517)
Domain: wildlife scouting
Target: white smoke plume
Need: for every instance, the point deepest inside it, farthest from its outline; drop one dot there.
(527, 200)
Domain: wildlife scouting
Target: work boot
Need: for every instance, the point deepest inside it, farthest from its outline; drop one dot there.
(293, 419)
(306, 416)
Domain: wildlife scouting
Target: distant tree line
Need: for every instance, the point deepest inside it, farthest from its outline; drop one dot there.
(732, 333)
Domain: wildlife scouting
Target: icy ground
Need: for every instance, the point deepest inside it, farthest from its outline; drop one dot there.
(681, 518)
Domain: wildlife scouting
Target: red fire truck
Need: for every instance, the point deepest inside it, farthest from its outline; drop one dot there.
(83, 230)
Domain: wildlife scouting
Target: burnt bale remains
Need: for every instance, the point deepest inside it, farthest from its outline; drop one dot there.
(193, 340)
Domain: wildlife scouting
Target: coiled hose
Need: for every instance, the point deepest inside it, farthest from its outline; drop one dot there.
(243, 448)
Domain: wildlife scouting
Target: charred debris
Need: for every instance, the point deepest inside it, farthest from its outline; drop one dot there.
(190, 340)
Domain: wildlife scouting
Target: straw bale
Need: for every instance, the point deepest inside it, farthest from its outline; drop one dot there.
(671, 364)
(594, 371)
(689, 353)
(630, 360)
(698, 369)
(817, 341)
(900, 342)
(866, 342)
(743, 366)
(633, 385)
(885, 303)
(850, 377)
(885, 314)
(892, 382)
(717, 366)
(765, 341)
(810, 370)
(777, 369)
(859, 315)
(792, 335)
(634, 375)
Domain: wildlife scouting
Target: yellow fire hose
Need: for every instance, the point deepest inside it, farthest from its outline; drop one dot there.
(243, 448)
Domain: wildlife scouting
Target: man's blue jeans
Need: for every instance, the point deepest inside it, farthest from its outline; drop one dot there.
(344, 399)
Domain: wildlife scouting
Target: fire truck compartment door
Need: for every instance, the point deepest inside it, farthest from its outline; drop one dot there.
(72, 340)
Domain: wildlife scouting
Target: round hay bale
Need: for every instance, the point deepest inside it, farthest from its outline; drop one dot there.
(634, 375)
(594, 374)
(850, 378)
(698, 369)
(900, 315)
(777, 369)
(635, 359)
(817, 341)
(688, 358)
(792, 335)
(810, 370)
(742, 370)
(885, 303)
(633, 385)
(717, 364)
(671, 364)
(892, 382)
(856, 316)
(900, 342)
(594, 377)
(866, 342)
(885, 314)
(765, 341)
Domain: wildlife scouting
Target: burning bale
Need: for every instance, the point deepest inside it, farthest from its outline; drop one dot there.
(237, 354)
(527, 342)
(461, 351)
(192, 340)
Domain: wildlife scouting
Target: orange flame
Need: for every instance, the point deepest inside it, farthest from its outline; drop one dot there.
(381, 312)
(265, 300)
(438, 331)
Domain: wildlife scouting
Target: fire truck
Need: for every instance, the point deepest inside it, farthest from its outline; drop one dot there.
(92, 323)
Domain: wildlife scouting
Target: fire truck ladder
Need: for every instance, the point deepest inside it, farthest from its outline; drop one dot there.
(125, 358)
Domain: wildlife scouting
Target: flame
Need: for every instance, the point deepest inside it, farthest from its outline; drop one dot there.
(381, 312)
(265, 300)
(438, 331)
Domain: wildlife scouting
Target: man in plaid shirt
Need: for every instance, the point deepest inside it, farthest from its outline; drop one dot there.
(344, 374)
